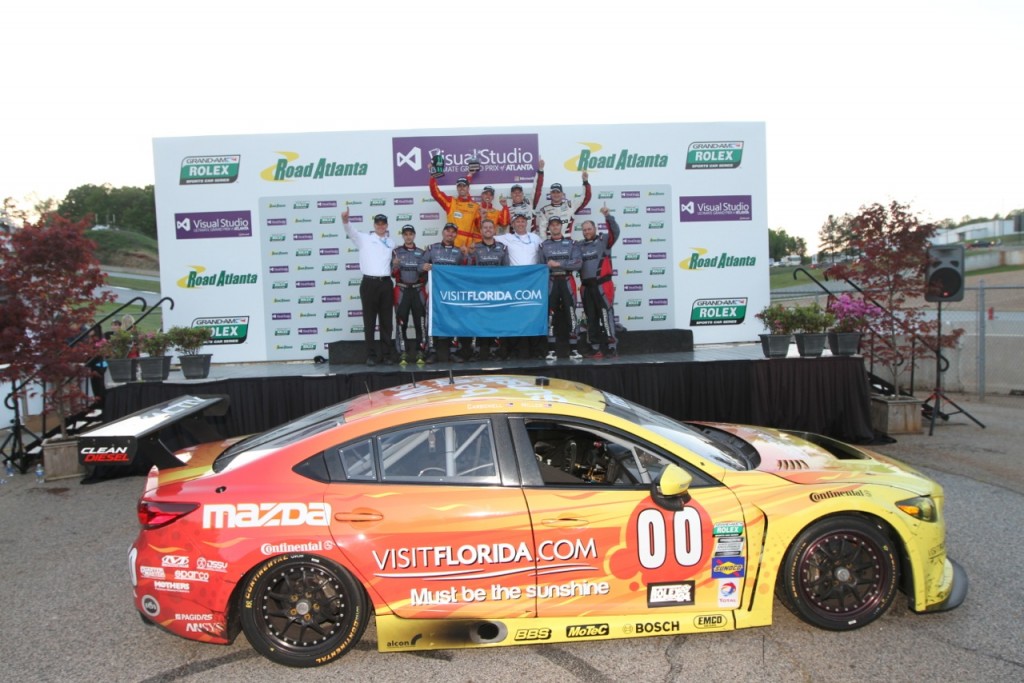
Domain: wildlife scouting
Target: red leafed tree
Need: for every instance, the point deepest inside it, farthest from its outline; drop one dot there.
(893, 245)
(49, 277)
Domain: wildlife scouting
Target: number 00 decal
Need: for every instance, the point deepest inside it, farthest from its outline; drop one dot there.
(652, 542)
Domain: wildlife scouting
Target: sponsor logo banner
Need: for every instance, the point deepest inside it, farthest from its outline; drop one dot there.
(229, 329)
(501, 301)
(718, 311)
(505, 158)
(670, 594)
(707, 155)
(205, 224)
(733, 207)
(218, 168)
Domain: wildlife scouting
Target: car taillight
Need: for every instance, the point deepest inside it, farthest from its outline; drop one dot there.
(154, 514)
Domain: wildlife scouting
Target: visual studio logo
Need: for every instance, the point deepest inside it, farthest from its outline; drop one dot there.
(413, 159)
(206, 224)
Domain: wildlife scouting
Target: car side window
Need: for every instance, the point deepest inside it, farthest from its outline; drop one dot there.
(358, 461)
(451, 452)
(575, 454)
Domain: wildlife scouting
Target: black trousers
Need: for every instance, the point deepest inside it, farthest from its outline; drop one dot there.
(410, 300)
(375, 293)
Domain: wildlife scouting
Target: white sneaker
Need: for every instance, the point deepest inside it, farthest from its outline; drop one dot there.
(551, 356)
(575, 355)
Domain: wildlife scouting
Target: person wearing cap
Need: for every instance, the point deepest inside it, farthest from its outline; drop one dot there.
(523, 250)
(562, 257)
(488, 252)
(410, 295)
(461, 211)
(596, 287)
(563, 207)
(443, 253)
(376, 249)
(490, 212)
(520, 203)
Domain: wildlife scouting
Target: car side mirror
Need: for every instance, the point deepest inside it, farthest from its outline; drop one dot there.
(672, 489)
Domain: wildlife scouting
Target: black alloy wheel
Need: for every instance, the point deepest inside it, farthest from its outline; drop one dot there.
(302, 610)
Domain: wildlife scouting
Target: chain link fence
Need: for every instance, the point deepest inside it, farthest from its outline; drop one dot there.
(989, 356)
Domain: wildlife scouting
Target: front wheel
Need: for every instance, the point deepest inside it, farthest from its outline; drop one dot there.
(302, 610)
(840, 574)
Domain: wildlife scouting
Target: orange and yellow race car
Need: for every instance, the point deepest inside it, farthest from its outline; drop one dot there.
(508, 510)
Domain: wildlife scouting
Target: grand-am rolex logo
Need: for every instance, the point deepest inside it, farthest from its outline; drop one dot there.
(195, 279)
(706, 155)
(699, 260)
(250, 515)
(718, 311)
(590, 158)
(220, 168)
(232, 329)
(286, 168)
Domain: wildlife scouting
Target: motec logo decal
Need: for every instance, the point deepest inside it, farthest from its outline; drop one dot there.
(251, 515)
(221, 168)
(287, 169)
(718, 311)
(700, 260)
(708, 155)
(587, 631)
(590, 158)
(196, 279)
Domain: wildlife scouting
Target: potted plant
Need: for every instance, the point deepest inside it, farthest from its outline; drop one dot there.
(188, 341)
(810, 323)
(778, 320)
(157, 366)
(853, 315)
(117, 349)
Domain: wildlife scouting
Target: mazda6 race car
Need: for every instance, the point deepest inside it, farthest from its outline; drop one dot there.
(507, 510)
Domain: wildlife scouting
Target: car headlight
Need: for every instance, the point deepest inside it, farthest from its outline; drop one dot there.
(922, 508)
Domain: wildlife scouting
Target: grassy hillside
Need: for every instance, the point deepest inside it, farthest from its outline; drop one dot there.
(125, 249)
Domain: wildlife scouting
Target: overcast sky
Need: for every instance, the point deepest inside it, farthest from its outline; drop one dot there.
(918, 101)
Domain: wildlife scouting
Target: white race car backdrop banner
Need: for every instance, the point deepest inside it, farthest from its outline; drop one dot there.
(251, 242)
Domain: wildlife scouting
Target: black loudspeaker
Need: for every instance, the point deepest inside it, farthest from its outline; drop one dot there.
(341, 352)
(944, 280)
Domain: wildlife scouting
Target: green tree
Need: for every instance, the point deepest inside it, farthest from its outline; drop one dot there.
(125, 208)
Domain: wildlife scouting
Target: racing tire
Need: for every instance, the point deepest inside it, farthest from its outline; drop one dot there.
(302, 610)
(840, 574)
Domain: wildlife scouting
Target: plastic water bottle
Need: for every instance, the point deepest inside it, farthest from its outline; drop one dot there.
(9, 469)
(40, 474)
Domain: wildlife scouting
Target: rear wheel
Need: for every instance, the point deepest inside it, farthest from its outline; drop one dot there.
(302, 610)
(840, 574)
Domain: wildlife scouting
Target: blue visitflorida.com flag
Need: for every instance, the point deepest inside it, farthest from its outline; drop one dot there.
(489, 301)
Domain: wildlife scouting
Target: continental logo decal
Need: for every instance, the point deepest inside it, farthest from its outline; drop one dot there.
(286, 169)
(590, 158)
(699, 260)
(196, 279)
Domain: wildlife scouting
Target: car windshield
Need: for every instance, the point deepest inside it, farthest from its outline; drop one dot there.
(285, 434)
(722, 454)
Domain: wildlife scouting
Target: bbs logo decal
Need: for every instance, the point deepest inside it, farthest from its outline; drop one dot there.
(525, 634)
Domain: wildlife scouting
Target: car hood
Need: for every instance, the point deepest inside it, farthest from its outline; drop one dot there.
(804, 458)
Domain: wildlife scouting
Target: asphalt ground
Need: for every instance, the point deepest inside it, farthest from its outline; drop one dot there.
(66, 612)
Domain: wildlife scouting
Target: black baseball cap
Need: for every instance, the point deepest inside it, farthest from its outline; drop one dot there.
(408, 228)
(520, 214)
(553, 219)
(451, 226)
(462, 181)
(380, 218)
(488, 188)
(556, 186)
(517, 186)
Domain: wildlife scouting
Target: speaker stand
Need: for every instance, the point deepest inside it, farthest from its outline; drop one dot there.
(937, 394)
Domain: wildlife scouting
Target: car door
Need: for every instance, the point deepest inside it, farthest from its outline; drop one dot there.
(604, 546)
(433, 521)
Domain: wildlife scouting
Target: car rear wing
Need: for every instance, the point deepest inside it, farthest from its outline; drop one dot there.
(123, 441)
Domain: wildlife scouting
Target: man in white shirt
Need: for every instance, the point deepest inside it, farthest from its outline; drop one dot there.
(376, 250)
(523, 250)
